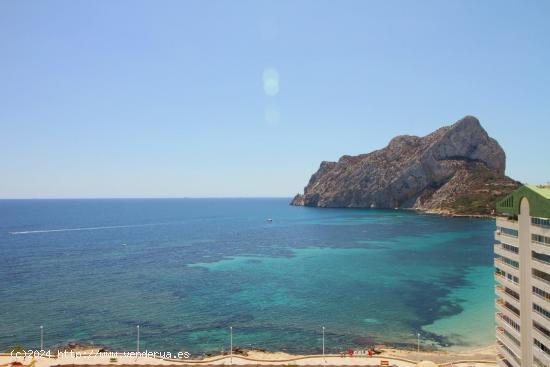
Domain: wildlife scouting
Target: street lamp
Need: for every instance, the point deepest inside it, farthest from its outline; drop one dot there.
(137, 341)
(231, 345)
(324, 360)
(41, 337)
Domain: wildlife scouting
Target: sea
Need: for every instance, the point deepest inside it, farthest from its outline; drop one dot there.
(187, 271)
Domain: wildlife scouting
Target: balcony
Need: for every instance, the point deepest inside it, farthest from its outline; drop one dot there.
(505, 339)
(500, 250)
(540, 283)
(507, 223)
(540, 336)
(541, 265)
(500, 291)
(503, 354)
(508, 283)
(502, 237)
(540, 248)
(506, 311)
(543, 301)
(543, 231)
(506, 267)
(509, 328)
(541, 355)
(503, 362)
(540, 318)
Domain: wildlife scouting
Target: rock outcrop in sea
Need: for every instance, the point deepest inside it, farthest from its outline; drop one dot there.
(456, 170)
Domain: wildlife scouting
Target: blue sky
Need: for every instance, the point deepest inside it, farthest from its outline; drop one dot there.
(235, 98)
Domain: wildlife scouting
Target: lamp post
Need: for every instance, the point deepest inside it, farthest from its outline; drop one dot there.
(324, 360)
(137, 341)
(41, 337)
(231, 345)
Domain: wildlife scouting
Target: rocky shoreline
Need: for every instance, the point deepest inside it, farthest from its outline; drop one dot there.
(445, 213)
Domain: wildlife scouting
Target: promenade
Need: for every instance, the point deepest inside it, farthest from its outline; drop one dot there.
(93, 360)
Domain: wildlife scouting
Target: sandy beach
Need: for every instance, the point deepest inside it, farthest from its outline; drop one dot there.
(442, 356)
(401, 358)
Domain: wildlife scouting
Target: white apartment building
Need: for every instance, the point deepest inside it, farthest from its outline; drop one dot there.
(522, 274)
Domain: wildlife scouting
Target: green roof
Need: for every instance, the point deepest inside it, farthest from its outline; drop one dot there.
(539, 201)
(543, 191)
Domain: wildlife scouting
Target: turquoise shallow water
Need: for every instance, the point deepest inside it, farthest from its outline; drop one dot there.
(185, 270)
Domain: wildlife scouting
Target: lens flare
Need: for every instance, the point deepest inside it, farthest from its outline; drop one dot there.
(271, 82)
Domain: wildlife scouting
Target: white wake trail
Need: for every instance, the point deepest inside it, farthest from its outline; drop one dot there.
(86, 228)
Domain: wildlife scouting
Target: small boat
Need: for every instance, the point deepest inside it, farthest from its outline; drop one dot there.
(269, 220)
(123, 244)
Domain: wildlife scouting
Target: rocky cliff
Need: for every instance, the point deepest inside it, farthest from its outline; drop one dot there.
(456, 170)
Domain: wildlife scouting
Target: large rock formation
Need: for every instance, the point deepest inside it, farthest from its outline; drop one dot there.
(457, 169)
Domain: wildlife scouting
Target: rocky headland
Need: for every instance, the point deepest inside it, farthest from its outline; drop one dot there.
(455, 170)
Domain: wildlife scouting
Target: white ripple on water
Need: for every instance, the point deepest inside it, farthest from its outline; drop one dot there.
(87, 228)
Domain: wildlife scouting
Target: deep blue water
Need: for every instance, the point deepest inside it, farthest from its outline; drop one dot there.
(187, 269)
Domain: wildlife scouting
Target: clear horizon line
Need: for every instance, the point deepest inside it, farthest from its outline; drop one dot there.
(144, 197)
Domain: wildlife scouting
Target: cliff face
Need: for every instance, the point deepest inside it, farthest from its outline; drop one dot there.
(457, 169)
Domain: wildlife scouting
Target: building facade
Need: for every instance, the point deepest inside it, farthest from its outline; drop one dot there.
(522, 274)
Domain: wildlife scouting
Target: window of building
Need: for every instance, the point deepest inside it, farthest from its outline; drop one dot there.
(540, 222)
(508, 231)
(511, 337)
(541, 257)
(541, 328)
(543, 347)
(541, 311)
(509, 321)
(511, 308)
(508, 261)
(508, 276)
(543, 240)
(541, 275)
(512, 292)
(511, 248)
(542, 294)
(510, 352)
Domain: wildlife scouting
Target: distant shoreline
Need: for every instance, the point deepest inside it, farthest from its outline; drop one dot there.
(454, 215)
